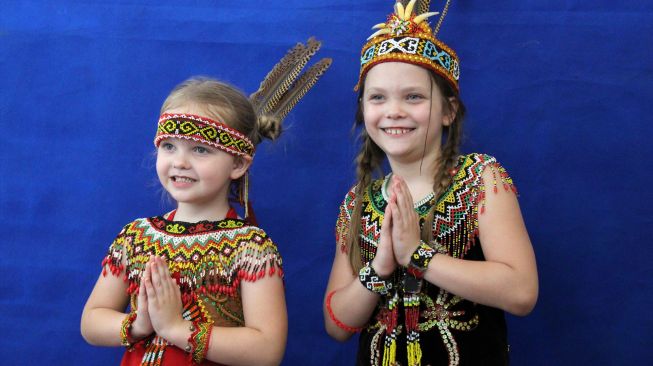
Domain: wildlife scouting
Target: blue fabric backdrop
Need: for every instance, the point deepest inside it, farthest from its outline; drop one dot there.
(559, 91)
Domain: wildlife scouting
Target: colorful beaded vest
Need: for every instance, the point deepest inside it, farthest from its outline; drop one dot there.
(208, 260)
(430, 321)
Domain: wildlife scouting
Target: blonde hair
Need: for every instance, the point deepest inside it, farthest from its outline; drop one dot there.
(225, 103)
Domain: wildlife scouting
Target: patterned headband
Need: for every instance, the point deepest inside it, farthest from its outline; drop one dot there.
(204, 130)
(406, 37)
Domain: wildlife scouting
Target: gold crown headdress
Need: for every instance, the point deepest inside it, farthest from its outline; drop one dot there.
(276, 96)
(407, 37)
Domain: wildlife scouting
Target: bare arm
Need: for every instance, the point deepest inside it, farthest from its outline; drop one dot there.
(352, 304)
(105, 310)
(507, 279)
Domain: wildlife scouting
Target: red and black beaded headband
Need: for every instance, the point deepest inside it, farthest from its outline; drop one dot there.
(407, 37)
(204, 130)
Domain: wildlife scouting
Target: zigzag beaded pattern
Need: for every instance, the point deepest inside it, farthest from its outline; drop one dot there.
(206, 257)
(204, 130)
(455, 223)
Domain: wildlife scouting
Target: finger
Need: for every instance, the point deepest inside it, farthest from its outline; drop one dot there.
(151, 293)
(404, 199)
(387, 219)
(156, 278)
(397, 219)
(165, 276)
(162, 283)
(142, 297)
(399, 197)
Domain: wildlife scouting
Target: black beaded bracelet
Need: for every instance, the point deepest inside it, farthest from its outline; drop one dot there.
(372, 281)
(420, 259)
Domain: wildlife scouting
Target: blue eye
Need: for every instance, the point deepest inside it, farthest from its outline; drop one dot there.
(376, 97)
(166, 146)
(415, 97)
(201, 150)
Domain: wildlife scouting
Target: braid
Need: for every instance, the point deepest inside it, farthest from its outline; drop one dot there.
(449, 154)
(369, 159)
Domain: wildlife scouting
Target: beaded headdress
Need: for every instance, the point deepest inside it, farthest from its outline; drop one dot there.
(276, 96)
(204, 130)
(407, 37)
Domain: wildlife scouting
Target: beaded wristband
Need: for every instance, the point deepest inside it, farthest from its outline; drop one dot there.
(125, 329)
(372, 281)
(420, 259)
(337, 322)
(198, 342)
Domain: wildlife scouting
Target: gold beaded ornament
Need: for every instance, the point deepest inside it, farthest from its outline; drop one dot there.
(407, 37)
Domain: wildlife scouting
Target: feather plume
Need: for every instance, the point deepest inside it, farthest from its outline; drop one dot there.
(408, 11)
(281, 78)
(301, 87)
(421, 6)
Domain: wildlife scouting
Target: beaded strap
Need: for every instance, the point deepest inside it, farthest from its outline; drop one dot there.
(372, 281)
(125, 329)
(420, 259)
(337, 322)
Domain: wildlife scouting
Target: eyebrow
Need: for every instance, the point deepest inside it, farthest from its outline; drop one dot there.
(407, 89)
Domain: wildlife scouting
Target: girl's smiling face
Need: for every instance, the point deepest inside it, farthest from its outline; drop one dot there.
(194, 173)
(403, 111)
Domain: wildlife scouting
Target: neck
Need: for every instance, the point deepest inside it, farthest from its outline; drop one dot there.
(419, 174)
(189, 212)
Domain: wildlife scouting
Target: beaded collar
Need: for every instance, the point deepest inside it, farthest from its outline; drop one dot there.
(384, 193)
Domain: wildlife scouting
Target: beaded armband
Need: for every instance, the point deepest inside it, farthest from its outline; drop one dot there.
(198, 342)
(125, 329)
(372, 281)
(420, 259)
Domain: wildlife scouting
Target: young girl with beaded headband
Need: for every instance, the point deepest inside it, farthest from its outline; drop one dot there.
(430, 256)
(203, 285)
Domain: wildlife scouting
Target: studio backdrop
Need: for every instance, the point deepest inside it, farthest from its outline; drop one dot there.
(560, 92)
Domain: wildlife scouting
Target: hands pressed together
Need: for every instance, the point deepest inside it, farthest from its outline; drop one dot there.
(159, 301)
(400, 233)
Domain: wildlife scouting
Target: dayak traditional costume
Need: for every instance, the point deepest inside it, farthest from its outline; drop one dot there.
(415, 322)
(208, 259)
(445, 329)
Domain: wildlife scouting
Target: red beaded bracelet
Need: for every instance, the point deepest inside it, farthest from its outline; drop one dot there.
(340, 324)
(198, 341)
(125, 329)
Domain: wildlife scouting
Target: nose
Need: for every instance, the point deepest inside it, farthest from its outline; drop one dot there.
(180, 160)
(394, 110)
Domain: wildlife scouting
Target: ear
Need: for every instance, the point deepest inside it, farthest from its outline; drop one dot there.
(241, 164)
(451, 112)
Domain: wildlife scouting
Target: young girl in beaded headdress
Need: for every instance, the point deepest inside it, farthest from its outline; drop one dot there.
(203, 285)
(430, 256)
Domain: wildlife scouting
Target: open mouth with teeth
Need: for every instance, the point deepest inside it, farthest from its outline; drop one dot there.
(397, 130)
(178, 179)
